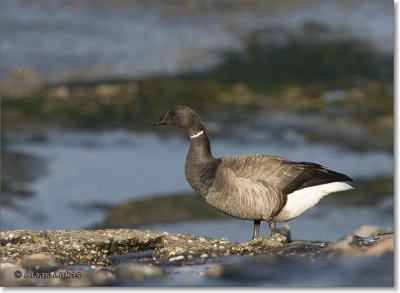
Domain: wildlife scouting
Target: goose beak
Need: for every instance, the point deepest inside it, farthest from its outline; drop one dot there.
(161, 120)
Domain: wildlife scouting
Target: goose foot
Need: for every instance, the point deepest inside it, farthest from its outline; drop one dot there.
(272, 227)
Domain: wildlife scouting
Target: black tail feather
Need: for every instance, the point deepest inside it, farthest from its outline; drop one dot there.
(315, 174)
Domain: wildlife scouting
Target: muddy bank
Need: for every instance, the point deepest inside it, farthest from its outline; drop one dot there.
(135, 213)
(276, 72)
(191, 207)
(149, 258)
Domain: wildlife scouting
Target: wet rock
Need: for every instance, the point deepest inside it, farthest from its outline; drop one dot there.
(302, 250)
(138, 271)
(40, 262)
(259, 245)
(102, 278)
(346, 245)
(176, 247)
(185, 247)
(355, 245)
(384, 246)
(80, 278)
(76, 247)
(89, 258)
(368, 230)
(9, 275)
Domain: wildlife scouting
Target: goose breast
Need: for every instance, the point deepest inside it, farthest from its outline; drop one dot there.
(241, 188)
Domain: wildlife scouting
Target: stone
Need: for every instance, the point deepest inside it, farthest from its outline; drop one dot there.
(361, 246)
(9, 275)
(384, 246)
(284, 230)
(102, 278)
(214, 271)
(138, 271)
(40, 261)
(368, 230)
(175, 258)
(345, 245)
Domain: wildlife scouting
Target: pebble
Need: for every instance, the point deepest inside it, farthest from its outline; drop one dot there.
(175, 258)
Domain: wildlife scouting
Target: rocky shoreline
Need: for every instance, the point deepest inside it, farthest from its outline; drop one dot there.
(122, 256)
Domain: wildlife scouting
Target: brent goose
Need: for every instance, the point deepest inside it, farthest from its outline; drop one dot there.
(251, 187)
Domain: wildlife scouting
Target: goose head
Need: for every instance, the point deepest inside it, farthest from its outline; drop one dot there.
(183, 117)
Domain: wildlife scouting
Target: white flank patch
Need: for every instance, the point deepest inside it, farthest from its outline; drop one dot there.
(197, 134)
(301, 200)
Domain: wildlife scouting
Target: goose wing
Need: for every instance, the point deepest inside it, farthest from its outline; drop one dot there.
(244, 197)
(285, 175)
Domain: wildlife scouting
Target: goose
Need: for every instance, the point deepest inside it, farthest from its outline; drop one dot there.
(251, 187)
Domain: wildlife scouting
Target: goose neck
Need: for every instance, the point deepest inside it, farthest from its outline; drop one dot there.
(200, 149)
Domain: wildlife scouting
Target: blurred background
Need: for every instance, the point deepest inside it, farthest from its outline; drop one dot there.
(83, 81)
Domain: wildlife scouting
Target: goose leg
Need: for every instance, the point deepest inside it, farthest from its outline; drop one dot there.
(272, 227)
(256, 229)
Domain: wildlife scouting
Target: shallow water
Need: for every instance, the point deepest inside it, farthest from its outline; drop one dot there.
(254, 271)
(338, 272)
(111, 167)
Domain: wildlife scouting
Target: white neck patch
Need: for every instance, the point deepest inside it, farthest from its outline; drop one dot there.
(194, 135)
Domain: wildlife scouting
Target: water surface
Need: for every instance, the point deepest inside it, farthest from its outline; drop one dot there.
(111, 167)
(92, 39)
